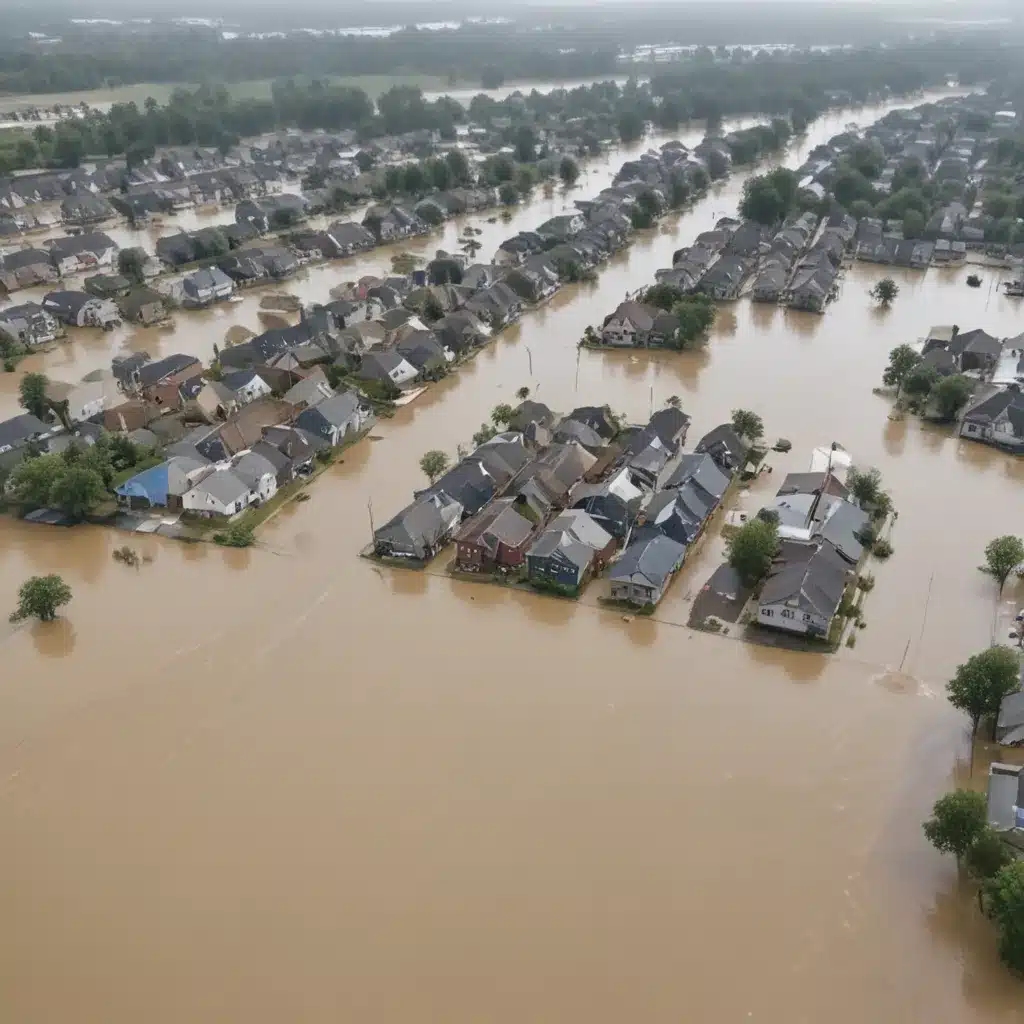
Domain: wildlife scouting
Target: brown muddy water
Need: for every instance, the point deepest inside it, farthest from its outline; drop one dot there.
(282, 783)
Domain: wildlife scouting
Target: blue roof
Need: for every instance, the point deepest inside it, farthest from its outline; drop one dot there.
(150, 484)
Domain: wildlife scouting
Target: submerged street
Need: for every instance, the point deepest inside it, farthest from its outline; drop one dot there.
(283, 783)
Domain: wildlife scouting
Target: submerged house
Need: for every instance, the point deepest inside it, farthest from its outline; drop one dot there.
(420, 530)
(804, 588)
(997, 420)
(644, 570)
(496, 538)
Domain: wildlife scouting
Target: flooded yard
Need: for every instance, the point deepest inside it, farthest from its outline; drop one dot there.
(284, 783)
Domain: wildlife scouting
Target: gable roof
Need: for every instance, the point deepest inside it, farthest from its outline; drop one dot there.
(810, 577)
(19, 429)
(498, 523)
(153, 373)
(652, 557)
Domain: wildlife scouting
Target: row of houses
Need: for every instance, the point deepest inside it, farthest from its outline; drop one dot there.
(556, 501)
(822, 536)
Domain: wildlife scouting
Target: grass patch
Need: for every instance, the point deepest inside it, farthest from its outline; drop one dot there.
(140, 467)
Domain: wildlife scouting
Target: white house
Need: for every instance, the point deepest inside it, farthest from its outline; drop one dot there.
(222, 493)
(258, 473)
(804, 588)
(247, 385)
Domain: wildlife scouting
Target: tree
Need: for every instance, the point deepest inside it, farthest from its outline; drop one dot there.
(501, 415)
(950, 395)
(568, 171)
(717, 164)
(885, 292)
(1004, 899)
(987, 855)
(33, 480)
(1002, 556)
(77, 491)
(752, 548)
(913, 224)
(525, 144)
(433, 464)
(631, 126)
(679, 192)
(865, 485)
(432, 309)
(130, 264)
(364, 161)
(920, 380)
(32, 394)
(508, 194)
(957, 820)
(902, 359)
(980, 684)
(761, 201)
(747, 424)
(696, 316)
(663, 295)
(523, 394)
(484, 434)
(40, 597)
(673, 402)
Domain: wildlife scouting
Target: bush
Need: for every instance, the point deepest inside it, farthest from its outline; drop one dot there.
(881, 548)
(237, 535)
(866, 583)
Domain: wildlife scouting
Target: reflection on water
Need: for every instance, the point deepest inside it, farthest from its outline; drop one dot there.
(382, 794)
(54, 639)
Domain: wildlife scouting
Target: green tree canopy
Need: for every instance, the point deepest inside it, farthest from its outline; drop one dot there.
(919, 382)
(987, 855)
(885, 292)
(631, 125)
(980, 684)
(501, 415)
(32, 394)
(77, 491)
(865, 485)
(40, 597)
(568, 170)
(1002, 556)
(752, 548)
(902, 359)
(696, 316)
(957, 820)
(434, 463)
(747, 424)
(1004, 900)
(950, 395)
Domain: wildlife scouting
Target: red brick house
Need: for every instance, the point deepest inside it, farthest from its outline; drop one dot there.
(495, 538)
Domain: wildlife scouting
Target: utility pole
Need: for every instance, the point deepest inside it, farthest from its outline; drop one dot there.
(369, 509)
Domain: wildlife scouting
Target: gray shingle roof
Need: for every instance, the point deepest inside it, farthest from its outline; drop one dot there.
(654, 558)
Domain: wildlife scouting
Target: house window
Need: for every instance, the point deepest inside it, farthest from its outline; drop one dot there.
(786, 613)
(767, 612)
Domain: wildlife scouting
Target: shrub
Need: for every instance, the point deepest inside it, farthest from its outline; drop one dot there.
(881, 548)
(237, 535)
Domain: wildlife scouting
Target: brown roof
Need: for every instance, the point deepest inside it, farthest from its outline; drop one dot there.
(245, 428)
(498, 520)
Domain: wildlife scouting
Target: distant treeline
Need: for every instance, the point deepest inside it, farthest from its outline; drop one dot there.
(795, 86)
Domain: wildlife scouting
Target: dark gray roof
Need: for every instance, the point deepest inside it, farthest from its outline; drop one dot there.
(1010, 729)
(18, 429)
(700, 469)
(813, 576)
(654, 557)
(845, 523)
(338, 409)
(151, 373)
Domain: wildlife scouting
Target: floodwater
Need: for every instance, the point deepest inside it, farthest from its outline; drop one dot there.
(283, 783)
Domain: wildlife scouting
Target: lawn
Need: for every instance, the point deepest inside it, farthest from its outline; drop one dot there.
(373, 85)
